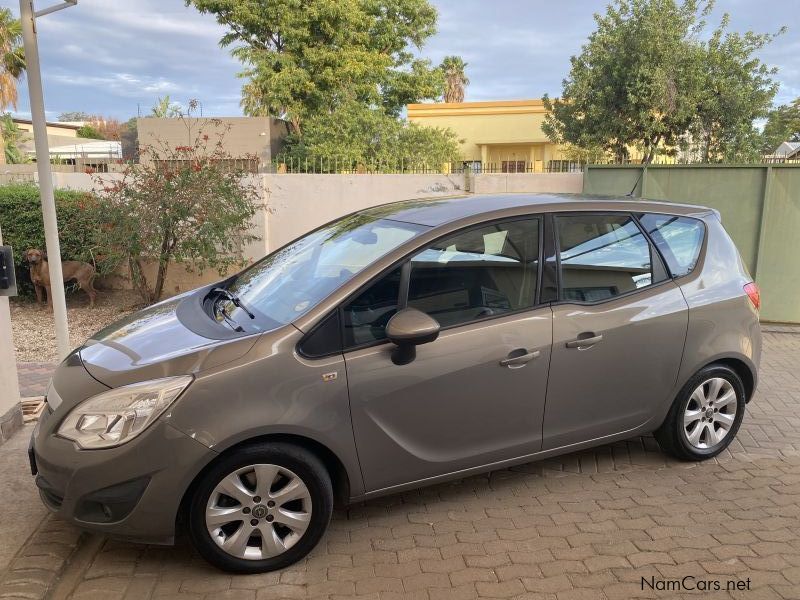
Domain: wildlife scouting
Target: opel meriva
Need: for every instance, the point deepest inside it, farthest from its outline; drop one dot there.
(394, 348)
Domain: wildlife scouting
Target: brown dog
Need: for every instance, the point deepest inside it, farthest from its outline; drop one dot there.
(81, 272)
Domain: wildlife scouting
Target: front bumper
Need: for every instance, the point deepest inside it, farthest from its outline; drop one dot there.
(133, 491)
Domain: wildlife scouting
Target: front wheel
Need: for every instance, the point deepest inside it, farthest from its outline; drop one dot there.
(705, 416)
(261, 508)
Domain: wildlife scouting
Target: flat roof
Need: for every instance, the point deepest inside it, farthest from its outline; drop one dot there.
(433, 212)
(494, 107)
(49, 123)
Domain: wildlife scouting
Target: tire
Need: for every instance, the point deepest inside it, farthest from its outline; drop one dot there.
(280, 504)
(705, 416)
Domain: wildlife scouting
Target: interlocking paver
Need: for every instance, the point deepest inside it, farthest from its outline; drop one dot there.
(588, 525)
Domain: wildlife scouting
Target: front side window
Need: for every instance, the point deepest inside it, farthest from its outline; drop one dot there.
(366, 316)
(477, 273)
(679, 240)
(602, 256)
(289, 282)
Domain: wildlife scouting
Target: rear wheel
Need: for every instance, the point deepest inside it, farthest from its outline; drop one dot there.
(705, 416)
(261, 508)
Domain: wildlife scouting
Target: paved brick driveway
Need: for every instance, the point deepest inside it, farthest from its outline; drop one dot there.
(589, 525)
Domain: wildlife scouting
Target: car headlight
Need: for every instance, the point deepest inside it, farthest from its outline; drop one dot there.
(119, 415)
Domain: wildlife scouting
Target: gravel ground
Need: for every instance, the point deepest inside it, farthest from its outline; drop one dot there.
(33, 329)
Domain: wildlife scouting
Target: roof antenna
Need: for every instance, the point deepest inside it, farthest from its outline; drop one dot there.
(638, 179)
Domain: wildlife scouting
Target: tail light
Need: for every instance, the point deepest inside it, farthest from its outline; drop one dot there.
(752, 291)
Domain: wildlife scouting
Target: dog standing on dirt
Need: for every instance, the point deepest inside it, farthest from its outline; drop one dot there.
(81, 272)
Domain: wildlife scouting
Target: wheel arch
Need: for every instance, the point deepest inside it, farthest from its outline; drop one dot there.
(333, 465)
(742, 369)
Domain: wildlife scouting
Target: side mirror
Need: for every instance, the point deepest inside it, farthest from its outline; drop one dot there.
(408, 329)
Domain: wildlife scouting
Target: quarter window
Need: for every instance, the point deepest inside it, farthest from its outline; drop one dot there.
(679, 240)
(477, 273)
(602, 256)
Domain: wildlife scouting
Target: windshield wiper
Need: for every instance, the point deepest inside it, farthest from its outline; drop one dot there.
(218, 310)
(234, 299)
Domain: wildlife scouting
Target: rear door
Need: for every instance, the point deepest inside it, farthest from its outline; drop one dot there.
(475, 395)
(619, 328)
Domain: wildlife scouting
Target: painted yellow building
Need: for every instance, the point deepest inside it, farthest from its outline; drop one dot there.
(504, 136)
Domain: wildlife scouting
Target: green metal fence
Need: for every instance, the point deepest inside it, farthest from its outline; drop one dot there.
(760, 208)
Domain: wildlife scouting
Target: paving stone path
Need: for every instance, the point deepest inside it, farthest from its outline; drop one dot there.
(590, 525)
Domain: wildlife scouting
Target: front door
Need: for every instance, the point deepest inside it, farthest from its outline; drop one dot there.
(475, 395)
(618, 331)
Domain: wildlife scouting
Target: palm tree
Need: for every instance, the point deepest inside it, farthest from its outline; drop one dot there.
(455, 79)
(12, 58)
(165, 108)
(12, 66)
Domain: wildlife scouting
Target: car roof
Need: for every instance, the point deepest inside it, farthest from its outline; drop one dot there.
(433, 212)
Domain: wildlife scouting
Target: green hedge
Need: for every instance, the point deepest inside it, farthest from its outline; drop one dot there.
(23, 227)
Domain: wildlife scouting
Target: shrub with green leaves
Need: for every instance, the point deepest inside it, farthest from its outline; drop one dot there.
(23, 227)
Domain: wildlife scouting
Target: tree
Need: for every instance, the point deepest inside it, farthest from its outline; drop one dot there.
(74, 116)
(11, 137)
(304, 59)
(12, 66)
(165, 108)
(357, 137)
(129, 136)
(185, 204)
(783, 125)
(455, 79)
(107, 127)
(646, 79)
(12, 58)
(736, 90)
(89, 131)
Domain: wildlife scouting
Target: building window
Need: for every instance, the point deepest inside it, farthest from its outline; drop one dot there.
(474, 166)
(513, 166)
(564, 166)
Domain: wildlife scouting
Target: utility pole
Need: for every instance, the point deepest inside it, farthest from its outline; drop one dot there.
(28, 18)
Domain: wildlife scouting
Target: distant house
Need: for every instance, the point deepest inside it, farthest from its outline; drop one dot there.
(502, 136)
(251, 142)
(67, 148)
(787, 150)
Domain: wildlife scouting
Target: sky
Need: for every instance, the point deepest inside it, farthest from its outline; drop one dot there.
(116, 57)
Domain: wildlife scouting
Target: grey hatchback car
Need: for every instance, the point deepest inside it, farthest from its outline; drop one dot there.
(397, 347)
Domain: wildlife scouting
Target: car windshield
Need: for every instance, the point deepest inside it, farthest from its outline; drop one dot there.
(289, 282)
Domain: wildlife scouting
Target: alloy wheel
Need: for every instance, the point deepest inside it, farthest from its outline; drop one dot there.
(710, 413)
(258, 511)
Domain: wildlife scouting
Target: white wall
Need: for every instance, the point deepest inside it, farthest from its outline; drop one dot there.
(297, 204)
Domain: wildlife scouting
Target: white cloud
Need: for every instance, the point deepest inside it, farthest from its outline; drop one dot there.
(110, 57)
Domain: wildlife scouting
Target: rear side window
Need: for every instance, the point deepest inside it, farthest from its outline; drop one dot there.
(603, 256)
(679, 240)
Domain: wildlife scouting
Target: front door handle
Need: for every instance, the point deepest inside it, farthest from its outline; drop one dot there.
(585, 342)
(516, 360)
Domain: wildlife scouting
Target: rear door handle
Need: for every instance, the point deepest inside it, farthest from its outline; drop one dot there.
(585, 342)
(515, 362)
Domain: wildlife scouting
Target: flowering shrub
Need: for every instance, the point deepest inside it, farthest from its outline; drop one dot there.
(185, 204)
